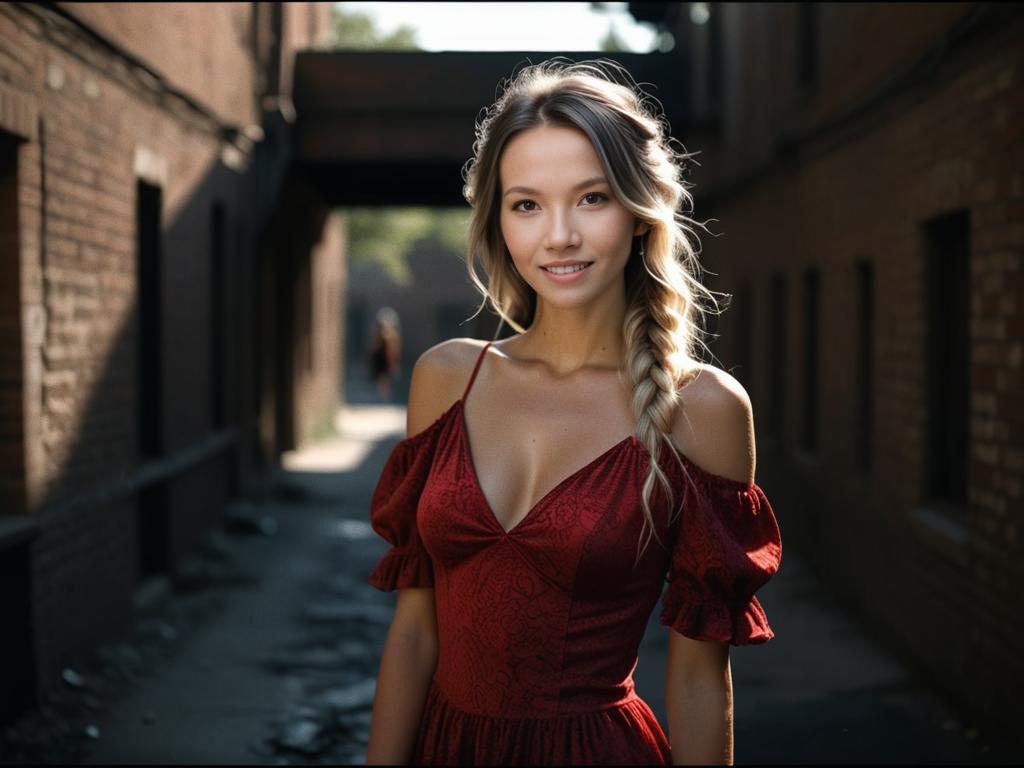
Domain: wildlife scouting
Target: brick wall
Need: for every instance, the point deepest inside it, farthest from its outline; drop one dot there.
(101, 96)
(219, 67)
(938, 129)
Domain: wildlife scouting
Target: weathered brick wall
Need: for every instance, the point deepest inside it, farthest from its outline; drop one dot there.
(948, 141)
(865, 43)
(203, 48)
(77, 227)
(96, 124)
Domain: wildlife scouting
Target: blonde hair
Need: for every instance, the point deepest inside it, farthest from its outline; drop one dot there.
(645, 173)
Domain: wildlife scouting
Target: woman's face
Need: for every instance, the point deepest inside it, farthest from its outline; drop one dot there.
(558, 208)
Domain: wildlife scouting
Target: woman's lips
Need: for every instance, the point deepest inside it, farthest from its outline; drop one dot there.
(569, 277)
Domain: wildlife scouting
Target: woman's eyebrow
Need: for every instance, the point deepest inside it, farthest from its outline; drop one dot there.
(581, 185)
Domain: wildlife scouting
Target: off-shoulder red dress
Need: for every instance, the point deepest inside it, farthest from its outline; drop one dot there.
(539, 626)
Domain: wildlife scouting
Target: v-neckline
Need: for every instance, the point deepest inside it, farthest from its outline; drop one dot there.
(468, 453)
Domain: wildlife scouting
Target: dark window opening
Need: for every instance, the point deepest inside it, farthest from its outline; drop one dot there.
(151, 510)
(947, 242)
(150, 339)
(17, 655)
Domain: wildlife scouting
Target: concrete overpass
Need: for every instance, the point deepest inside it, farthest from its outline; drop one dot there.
(396, 128)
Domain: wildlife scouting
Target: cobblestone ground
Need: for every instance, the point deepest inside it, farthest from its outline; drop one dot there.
(267, 649)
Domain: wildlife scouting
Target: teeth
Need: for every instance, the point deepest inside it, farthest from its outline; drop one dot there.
(566, 270)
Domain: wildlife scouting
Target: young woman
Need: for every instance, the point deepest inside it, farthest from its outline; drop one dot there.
(551, 482)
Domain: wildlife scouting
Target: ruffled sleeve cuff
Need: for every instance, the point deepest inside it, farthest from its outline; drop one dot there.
(741, 623)
(400, 569)
(728, 546)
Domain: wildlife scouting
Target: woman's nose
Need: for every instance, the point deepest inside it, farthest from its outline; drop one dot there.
(562, 233)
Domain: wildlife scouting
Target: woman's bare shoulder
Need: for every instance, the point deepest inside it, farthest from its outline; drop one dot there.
(714, 425)
(438, 380)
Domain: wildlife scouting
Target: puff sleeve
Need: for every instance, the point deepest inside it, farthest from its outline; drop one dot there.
(393, 515)
(728, 546)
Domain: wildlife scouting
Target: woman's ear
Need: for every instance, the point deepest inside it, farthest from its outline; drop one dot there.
(641, 228)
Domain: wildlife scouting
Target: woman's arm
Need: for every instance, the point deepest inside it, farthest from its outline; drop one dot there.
(410, 651)
(698, 699)
(716, 430)
(406, 668)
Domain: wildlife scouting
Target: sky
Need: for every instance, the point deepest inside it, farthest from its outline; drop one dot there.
(487, 26)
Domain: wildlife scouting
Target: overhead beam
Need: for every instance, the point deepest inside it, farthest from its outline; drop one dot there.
(413, 114)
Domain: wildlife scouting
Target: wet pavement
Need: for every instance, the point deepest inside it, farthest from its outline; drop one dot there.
(267, 650)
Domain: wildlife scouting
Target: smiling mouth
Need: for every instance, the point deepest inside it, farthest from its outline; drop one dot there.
(567, 270)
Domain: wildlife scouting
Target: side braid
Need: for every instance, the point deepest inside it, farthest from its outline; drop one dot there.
(651, 330)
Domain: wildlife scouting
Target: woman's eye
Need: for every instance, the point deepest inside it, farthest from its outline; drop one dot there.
(593, 198)
(524, 205)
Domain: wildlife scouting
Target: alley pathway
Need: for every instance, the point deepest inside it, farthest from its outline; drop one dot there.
(284, 672)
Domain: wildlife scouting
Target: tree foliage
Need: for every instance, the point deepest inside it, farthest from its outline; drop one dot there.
(383, 237)
(356, 30)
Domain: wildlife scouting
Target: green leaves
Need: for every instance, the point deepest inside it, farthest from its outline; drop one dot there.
(384, 237)
(357, 30)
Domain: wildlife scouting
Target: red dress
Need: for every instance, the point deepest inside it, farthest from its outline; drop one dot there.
(539, 626)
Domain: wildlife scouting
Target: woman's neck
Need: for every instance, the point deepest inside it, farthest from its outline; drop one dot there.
(568, 340)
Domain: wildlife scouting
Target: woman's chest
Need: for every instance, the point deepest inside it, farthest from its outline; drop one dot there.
(586, 531)
(522, 449)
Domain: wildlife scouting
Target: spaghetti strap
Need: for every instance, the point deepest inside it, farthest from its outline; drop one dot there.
(476, 368)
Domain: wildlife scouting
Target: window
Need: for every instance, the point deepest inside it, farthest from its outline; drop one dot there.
(152, 522)
(948, 357)
(149, 259)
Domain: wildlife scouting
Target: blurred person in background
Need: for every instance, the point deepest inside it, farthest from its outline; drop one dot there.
(524, 587)
(385, 351)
